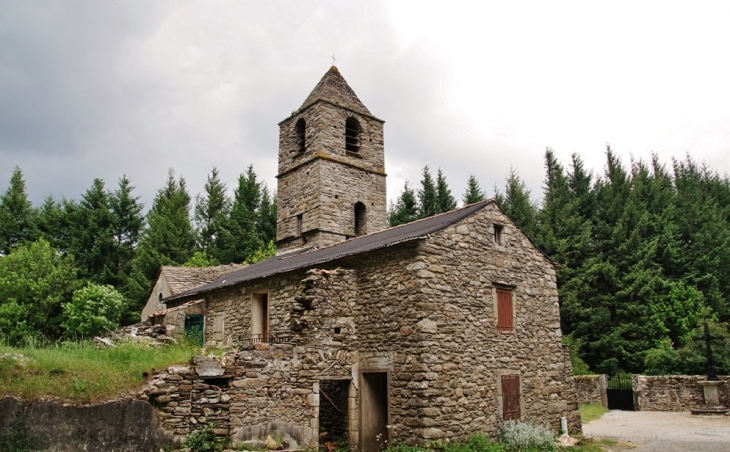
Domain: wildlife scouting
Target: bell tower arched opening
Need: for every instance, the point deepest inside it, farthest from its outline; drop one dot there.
(352, 134)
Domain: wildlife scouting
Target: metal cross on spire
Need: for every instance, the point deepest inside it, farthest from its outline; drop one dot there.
(708, 338)
(333, 59)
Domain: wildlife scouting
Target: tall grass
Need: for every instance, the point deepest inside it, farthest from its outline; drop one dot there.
(81, 371)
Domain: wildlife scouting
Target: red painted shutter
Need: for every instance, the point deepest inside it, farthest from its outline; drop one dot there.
(504, 310)
(510, 397)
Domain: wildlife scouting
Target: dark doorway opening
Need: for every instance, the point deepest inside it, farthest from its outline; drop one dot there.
(374, 414)
(333, 419)
(194, 328)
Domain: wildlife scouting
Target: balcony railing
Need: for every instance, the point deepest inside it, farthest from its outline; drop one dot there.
(270, 338)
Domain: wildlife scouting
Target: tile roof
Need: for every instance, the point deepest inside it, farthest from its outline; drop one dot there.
(308, 257)
(182, 279)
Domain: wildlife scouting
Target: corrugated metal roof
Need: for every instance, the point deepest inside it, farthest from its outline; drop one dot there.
(307, 258)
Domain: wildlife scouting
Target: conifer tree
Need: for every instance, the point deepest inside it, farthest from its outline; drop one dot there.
(240, 237)
(266, 218)
(211, 213)
(427, 202)
(17, 217)
(127, 224)
(405, 209)
(445, 202)
(473, 191)
(168, 240)
(91, 235)
(50, 223)
(516, 203)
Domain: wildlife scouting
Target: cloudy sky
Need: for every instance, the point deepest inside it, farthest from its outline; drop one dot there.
(97, 89)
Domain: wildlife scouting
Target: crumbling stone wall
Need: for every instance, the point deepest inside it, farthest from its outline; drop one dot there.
(673, 392)
(591, 389)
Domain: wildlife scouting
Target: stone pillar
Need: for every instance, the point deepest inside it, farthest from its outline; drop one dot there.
(711, 391)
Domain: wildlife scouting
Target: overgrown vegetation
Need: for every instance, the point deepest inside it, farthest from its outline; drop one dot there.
(514, 437)
(205, 440)
(79, 371)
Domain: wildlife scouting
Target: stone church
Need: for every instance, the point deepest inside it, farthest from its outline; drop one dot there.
(432, 330)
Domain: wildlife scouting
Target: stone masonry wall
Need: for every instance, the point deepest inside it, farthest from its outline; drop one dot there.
(673, 392)
(591, 389)
(324, 182)
(425, 313)
(328, 206)
(447, 368)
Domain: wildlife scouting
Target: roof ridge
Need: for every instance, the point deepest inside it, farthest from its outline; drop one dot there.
(414, 230)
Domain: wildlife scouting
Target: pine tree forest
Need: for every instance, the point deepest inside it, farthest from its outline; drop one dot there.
(643, 256)
(642, 250)
(104, 243)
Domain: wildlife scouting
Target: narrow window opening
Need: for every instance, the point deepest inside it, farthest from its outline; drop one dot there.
(338, 330)
(159, 296)
(260, 318)
(301, 128)
(498, 234)
(360, 211)
(352, 135)
(300, 220)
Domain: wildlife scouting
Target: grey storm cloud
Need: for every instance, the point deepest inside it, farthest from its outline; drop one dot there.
(98, 89)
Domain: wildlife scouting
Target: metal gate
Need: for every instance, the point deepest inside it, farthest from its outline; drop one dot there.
(620, 393)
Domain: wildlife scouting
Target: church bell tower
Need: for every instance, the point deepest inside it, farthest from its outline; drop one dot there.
(331, 181)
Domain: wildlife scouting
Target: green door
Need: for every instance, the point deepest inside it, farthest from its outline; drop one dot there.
(194, 329)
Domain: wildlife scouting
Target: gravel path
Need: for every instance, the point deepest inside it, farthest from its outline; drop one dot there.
(653, 431)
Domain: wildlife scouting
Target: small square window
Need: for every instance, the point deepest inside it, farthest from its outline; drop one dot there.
(498, 234)
(338, 330)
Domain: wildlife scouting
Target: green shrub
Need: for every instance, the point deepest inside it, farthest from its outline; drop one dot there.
(92, 310)
(522, 436)
(204, 440)
(480, 443)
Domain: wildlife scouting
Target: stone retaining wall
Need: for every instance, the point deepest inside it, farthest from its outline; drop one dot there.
(591, 389)
(673, 392)
(117, 426)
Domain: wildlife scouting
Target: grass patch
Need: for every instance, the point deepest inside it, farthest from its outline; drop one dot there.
(81, 372)
(591, 411)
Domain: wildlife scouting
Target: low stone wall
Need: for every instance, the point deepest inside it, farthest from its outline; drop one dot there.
(591, 389)
(118, 426)
(673, 392)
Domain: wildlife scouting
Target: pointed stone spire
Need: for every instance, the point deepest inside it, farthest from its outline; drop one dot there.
(333, 88)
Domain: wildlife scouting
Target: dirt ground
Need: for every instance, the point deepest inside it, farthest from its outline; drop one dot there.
(652, 431)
